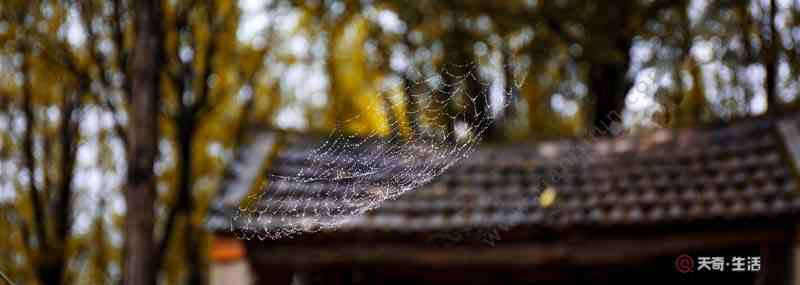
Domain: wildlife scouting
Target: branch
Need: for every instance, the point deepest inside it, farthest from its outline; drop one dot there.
(30, 160)
(163, 244)
(556, 24)
(118, 128)
(69, 138)
(559, 30)
(185, 112)
(91, 41)
(201, 106)
(119, 42)
(184, 71)
(652, 10)
(67, 60)
(100, 62)
(182, 17)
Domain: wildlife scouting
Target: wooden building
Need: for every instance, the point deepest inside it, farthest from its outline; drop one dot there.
(601, 211)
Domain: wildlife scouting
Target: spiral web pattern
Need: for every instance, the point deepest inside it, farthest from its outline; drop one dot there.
(325, 186)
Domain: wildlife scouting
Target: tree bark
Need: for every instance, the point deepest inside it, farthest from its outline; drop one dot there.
(409, 90)
(142, 146)
(608, 82)
(63, 204)
(771, 61)
(48, 269)
(412, 110)
(185, 205)
(610, 85)
(511, 87)
(442, 96)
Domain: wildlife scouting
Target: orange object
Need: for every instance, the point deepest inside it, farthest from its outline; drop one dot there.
(226, 249)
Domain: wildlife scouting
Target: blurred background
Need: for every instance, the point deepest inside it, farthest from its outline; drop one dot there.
(313, 66)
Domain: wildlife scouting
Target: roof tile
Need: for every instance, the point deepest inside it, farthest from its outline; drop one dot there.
(691, 175)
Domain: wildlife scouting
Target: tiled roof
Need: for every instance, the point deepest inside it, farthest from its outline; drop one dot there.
(743, 170)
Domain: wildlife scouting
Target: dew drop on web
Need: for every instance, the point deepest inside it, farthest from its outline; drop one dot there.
(347, 175)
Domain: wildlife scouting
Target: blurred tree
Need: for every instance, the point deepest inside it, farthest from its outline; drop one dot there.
(85, 47)
(755, 36)
(47, 246)
(201, 47)
(570, 64)
(589, 42)
(601, 37)
(140, 189)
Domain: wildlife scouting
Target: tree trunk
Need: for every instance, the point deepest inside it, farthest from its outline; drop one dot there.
(608, 68)
(142, 148)
(608, 82)
(771, 61)
(442, 96)
(63, 203)
(412, 112)
(185, 206)
(48, 268)
(410, 89)
(511, 87)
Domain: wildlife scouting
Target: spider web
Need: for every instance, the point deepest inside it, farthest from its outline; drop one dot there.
(347, 175)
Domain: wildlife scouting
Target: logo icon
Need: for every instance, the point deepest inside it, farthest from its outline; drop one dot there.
(684, 263)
